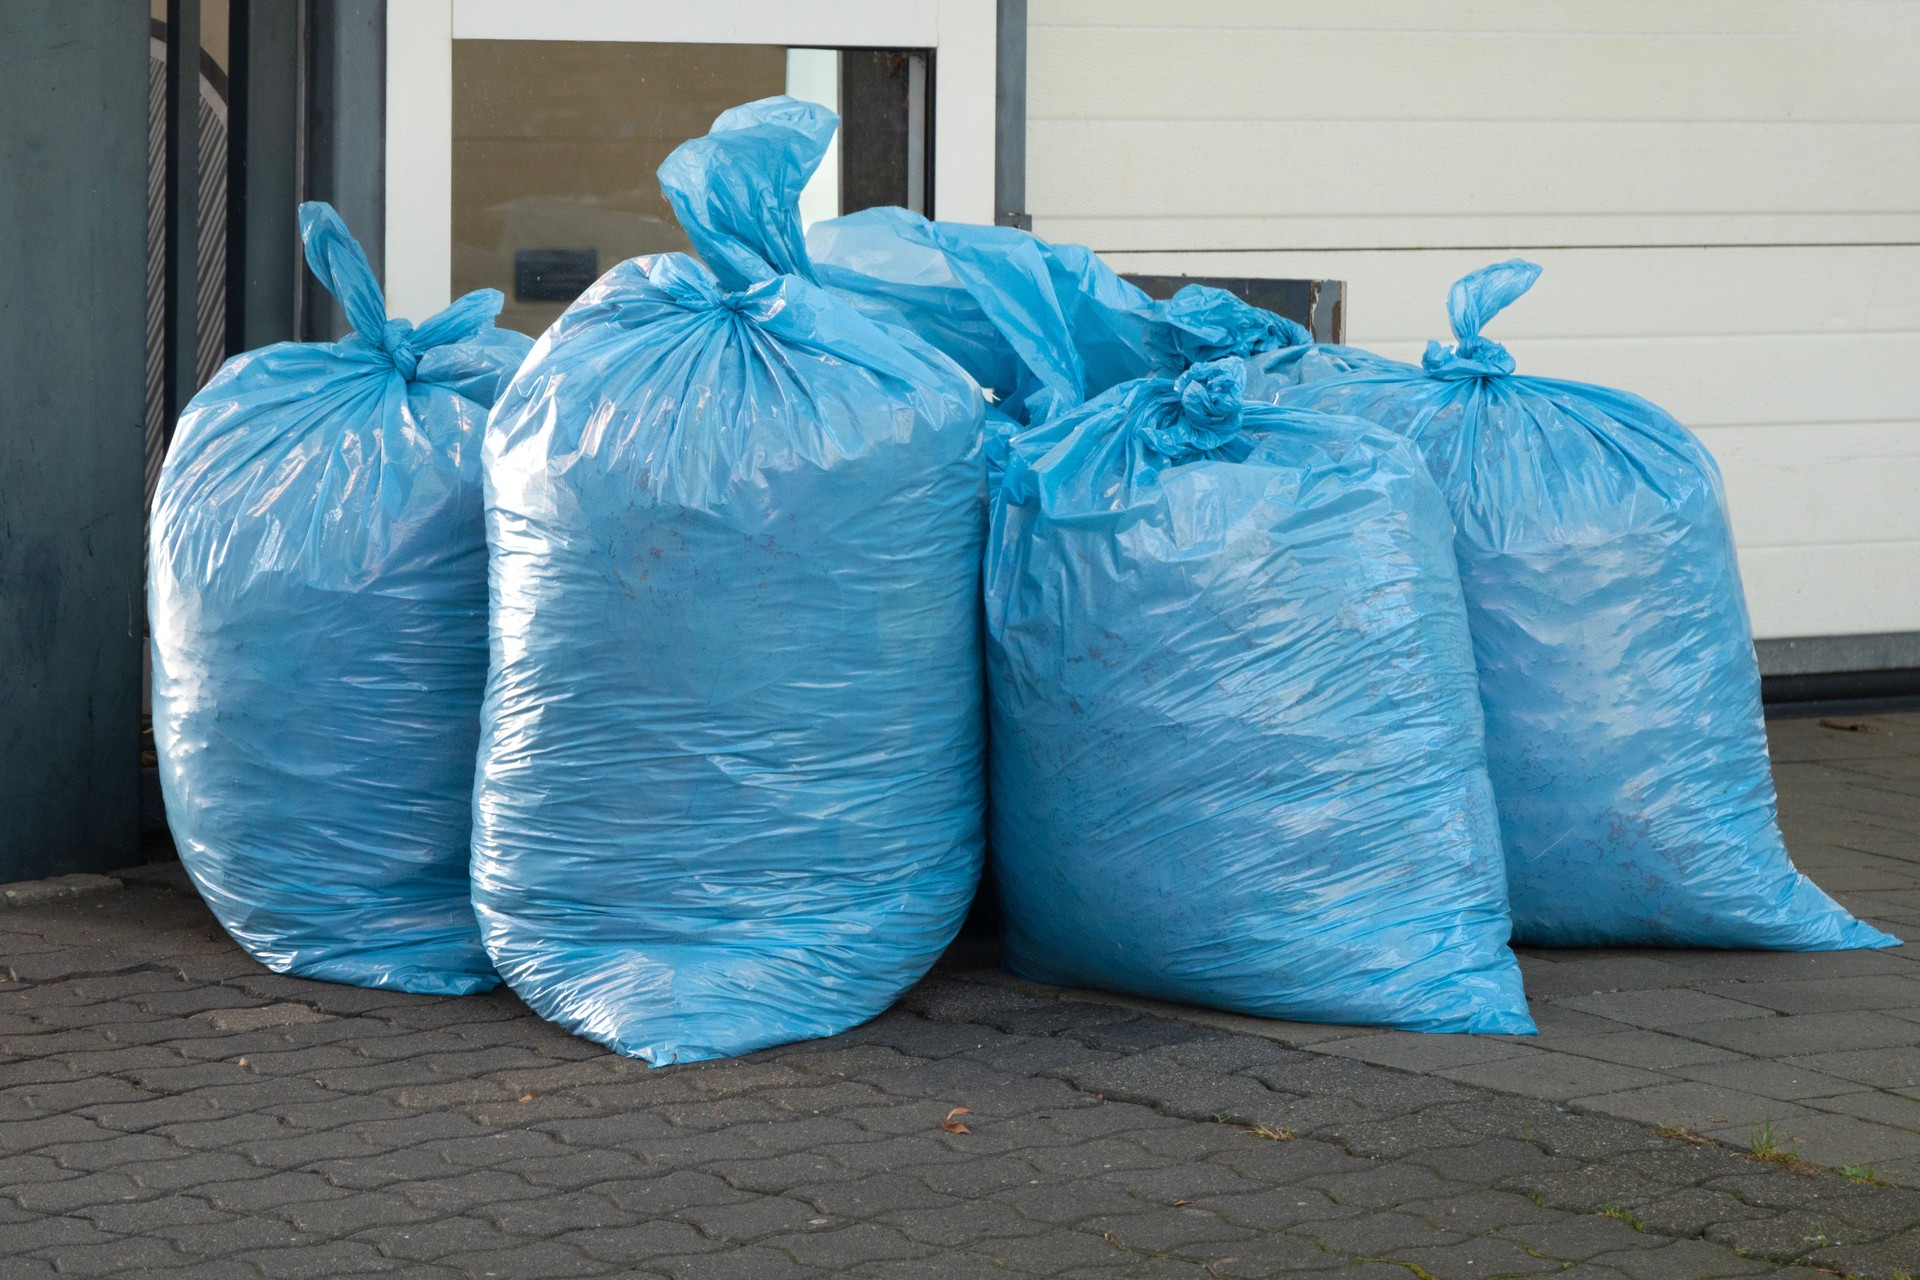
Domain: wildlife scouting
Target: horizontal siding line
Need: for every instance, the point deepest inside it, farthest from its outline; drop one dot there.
(1500, 121)
(1795, 335)
(1509, 120)
(1747, 548)
(1811, 425)
(1518, 248)
(1537, 33)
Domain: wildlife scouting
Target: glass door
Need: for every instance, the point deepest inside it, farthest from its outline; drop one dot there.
(523, 139)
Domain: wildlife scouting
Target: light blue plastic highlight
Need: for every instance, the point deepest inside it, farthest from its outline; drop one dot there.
(1624, 732)
(1236, 744)
(731, 784)
(317, 597)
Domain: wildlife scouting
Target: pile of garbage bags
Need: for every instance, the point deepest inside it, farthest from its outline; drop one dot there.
(684, 669)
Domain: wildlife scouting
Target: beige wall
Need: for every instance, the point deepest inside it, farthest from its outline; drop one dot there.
(1725, 195)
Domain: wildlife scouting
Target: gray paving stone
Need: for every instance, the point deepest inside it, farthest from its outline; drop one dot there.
(1653, 1050)
(1660, 1009)
(545, 1260)
(961, 1223)
(553, 1215)
(1578, 1238)
(1888, 1257)
(1767, 1078)
(1874, 1105)
(1573, 974)
(1057, 1251)
(1828, 995)
(1897, 1069)
(1480, 1260)
(1833, 1141)
(1692, 1210)
(1267, 1256)
(1812, 1033)
(847, 1246)
(1553, 1075)
(438, 1238)
(1065, 1203)
(1681, 1260)
(1481, 1212)
(1167, 1229)
(1414, 1052)
(1491, 1161)
(1381, 1233)
(1699, 1107)
(1786, 1236)
(113, 1257)
(750, 1263)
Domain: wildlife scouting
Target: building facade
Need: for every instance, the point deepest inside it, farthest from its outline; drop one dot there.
(1725, 195)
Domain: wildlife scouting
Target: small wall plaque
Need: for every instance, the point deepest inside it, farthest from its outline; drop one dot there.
(553, 275)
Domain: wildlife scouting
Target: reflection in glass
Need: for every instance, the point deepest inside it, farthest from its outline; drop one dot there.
(555, 144)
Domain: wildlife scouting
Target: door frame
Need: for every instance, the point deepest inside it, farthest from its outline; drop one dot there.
(420, 36)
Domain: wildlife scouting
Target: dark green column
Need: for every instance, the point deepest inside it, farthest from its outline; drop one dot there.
(73, 254)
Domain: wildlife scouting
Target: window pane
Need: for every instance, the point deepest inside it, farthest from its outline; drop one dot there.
(555, 144)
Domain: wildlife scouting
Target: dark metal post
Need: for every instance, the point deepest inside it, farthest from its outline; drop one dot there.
(1010, 119)
(73, 252)
(263, 184)
(183, 204)
(346, 135)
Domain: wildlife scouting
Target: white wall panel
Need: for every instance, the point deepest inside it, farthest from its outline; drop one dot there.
(1725, 195)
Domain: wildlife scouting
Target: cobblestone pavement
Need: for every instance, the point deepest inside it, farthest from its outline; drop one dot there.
(168, 1107)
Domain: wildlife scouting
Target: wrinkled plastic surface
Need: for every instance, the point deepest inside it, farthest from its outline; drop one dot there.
(317, 595)
(1041, 326)
(1045, 327)
(1624, 731)
(1200, 323)
(731, 780)
(1237, 757)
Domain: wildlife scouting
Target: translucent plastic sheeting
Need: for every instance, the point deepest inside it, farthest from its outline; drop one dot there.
(1202, 323)
(1237, 755)
(731, 781)
(1041, 326)
(1624, 731)
(318, 599)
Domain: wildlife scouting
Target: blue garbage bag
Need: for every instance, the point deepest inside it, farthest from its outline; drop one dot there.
(731, 782)
(317, 596)
(1624, 730)
(1042, 327)
(1200, 323)
(1236, 740)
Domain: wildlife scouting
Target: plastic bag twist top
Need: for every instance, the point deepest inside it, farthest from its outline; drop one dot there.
(340, 265)
(1201, 412)
(737, 191)
(1474, 300)
(317, 600)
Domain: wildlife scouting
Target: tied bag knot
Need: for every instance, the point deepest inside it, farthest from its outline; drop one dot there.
(1205, 404)
(394, 335)
(1474, 357)
(1471, 303)
(341, 266)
